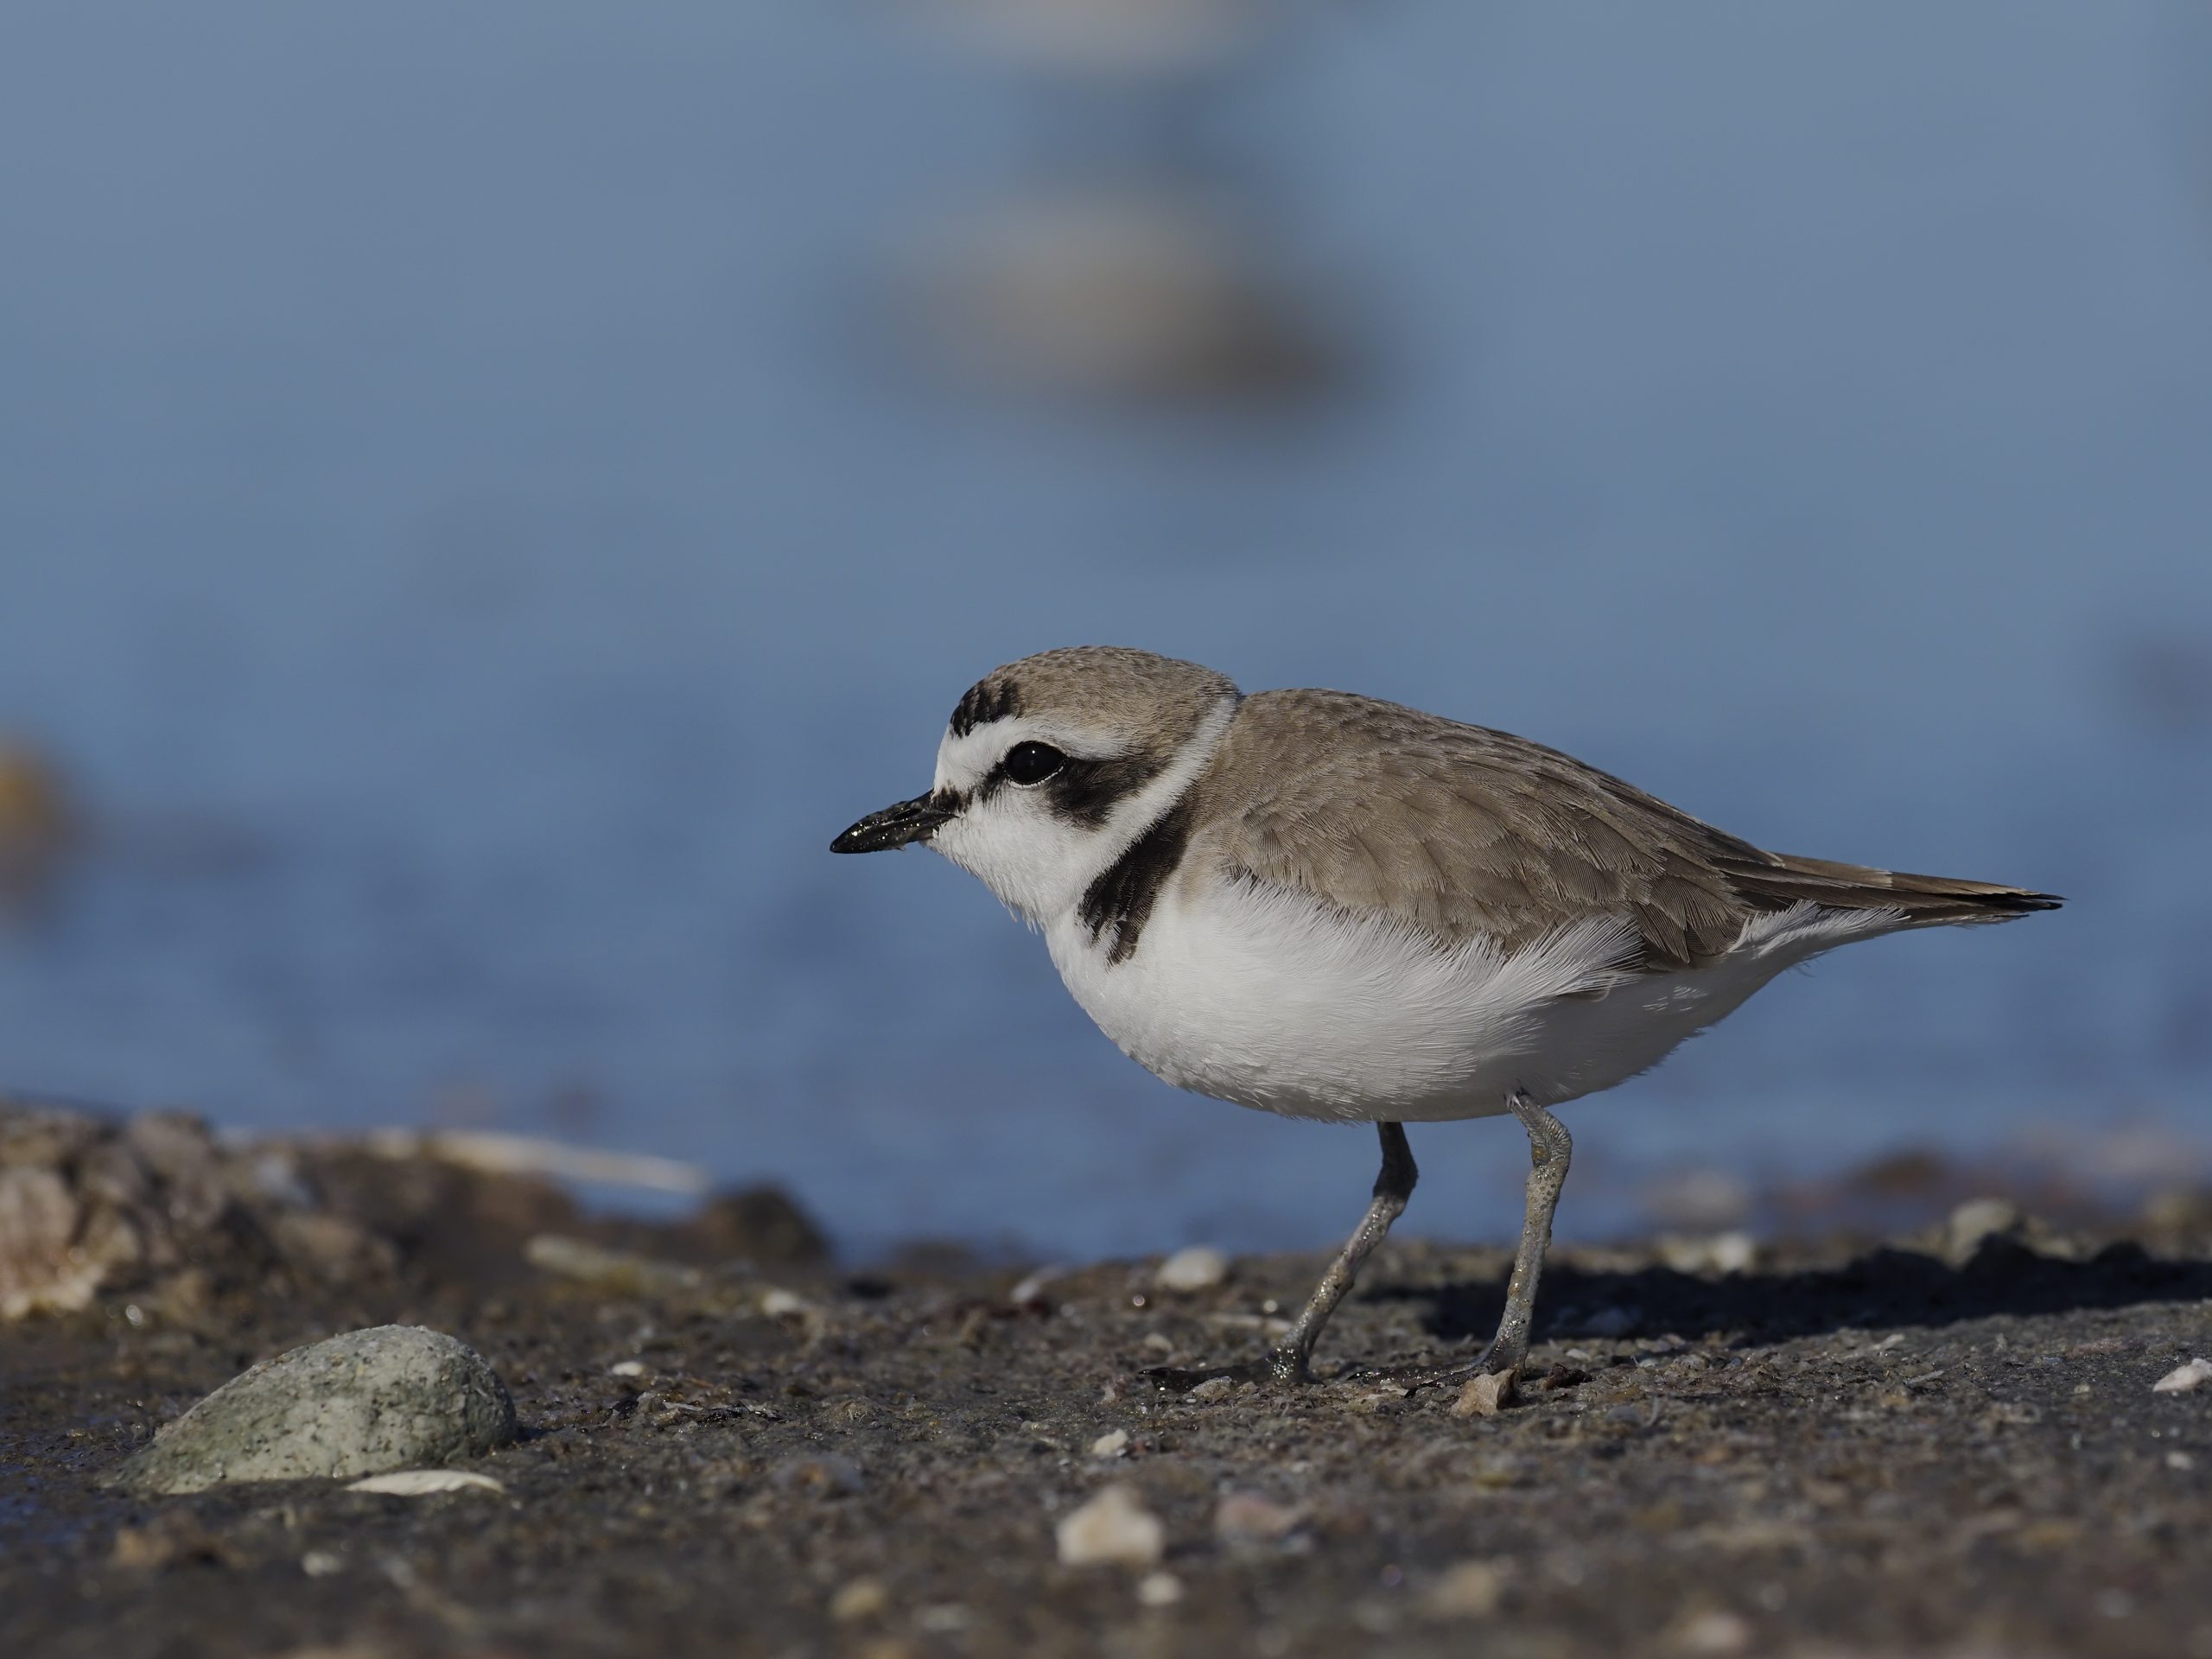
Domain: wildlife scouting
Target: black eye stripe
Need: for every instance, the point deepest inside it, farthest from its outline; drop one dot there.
(1087, 792)
(1081, 791)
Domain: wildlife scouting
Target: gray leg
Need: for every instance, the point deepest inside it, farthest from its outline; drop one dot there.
(1550, 1150)
(1392, 1186)
(1286, 1360)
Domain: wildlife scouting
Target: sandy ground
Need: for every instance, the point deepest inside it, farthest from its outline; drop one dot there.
(731, 1448)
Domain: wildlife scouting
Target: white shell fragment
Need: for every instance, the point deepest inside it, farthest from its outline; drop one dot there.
(498, 1153)
(424, 1483)
(1978, 1219)
(1196, 1267)
(1113, 1529)
(2183, 1378)
(863, 1599)
(1485, 1395)
(1032, 1287)
(1471, 1589)
(1160, 1590)
(1111, 1443)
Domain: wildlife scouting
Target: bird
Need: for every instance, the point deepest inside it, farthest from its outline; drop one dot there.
(1330, 906)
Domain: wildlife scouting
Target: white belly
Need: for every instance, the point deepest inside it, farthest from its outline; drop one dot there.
(1266, 998)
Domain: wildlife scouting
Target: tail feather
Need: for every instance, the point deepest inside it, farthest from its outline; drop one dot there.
(1923, 900)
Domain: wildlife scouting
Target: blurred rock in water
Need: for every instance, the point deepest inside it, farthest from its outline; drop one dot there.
(36, 822)
(2165, 683)
(2071, 1179)
(1120, 38)
(1701, 1200)
(1118, 293)
(88, 1206)
(758, 1224)
(159, 1208)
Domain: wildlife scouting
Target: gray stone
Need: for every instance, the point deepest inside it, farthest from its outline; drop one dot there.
(395, 1397)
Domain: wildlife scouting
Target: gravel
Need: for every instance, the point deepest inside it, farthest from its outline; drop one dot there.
(1852, 1446)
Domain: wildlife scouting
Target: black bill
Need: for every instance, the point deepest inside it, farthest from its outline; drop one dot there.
(895, 826)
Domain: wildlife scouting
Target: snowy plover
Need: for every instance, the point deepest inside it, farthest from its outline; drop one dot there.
(1329, 907)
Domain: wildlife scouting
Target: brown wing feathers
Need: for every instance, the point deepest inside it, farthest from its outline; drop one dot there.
(1458, 831)
(1924, 899)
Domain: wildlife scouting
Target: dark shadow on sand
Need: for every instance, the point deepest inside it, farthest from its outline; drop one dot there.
(1883, 1288)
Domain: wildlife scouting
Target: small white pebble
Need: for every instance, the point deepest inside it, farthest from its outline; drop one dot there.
(1375, 1618)
(1113, 1529)
(2180, 1460)
(1160, 1590)
(1032, 1288)
(1485, 1395)
(1734, 1252)
(423, 1483)
(320, 1563)
(1111, 1443)
(1977, 1220)
(2183, 1378)
(626, 1368)
(778, 1304)
(1469, 1590)
(1195, 1267)
(1248, 1518)
(1716, 1630)
(861, 1599)
(1731, 1252)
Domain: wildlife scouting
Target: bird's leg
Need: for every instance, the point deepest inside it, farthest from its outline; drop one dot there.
(1393, 1186)
(1550, 1150)
(1287, 1361)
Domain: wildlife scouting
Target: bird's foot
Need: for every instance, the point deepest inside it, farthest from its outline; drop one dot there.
(1434, 1373)
(1274, 1366)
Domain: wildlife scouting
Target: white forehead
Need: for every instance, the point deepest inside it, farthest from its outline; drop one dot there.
(963, 758)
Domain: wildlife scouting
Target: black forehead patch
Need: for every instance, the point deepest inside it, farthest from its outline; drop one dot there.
(989, 699)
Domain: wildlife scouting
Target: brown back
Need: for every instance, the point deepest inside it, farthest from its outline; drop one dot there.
(1459, 831)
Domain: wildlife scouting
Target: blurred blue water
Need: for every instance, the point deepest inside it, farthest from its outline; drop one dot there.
(462, 528)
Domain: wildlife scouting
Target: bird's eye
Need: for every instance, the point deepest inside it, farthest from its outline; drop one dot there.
(1033, 763)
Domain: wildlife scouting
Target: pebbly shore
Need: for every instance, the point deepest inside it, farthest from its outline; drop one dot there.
(1986, 1436)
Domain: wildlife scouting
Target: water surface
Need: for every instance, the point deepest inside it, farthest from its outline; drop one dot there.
(471, 529)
